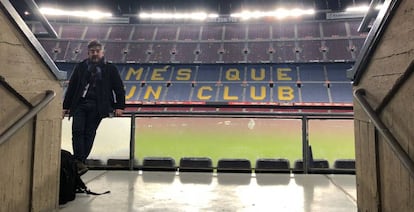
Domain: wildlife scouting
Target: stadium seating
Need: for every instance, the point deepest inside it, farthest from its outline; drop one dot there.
(72, 31)
(137, 52)
(119, 32)
(338, 50)
(310, 51)
(305, 83)
(258, 52)
(185, 52)
(314, 92)
(283, 42)
(212, 32)
(285, 51)
(229, 59)
(283, 31)
(340, 92)
(96, 32)
(233, 52)
(235, 32)
(143, 33)
(334, 29)
(258, 32)
(308, 30)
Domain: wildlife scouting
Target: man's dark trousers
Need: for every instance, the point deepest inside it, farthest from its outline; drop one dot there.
(85, 123)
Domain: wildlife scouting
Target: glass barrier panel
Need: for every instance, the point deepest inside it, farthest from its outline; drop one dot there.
(332, 139)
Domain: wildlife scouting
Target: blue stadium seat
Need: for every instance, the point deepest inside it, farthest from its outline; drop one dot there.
(258, 92)
(232, 92)
(258, 73)
(284, 73)
(178, 91)
(206, 92)
(233, 73)
(337, 71)
(184, 73)
(312, 72)
(153, 91)
(209, 73)
(314, 92)
(341, 92)
(283, 91)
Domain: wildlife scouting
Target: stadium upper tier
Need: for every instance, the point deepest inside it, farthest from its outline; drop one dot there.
(316, 41)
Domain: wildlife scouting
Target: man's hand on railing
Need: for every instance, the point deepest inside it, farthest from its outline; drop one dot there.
(65, 111)
(119, 112)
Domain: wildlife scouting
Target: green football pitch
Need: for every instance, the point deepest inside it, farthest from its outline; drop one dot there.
(246, 138)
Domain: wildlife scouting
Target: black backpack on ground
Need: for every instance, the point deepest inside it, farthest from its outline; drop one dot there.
(70, 181)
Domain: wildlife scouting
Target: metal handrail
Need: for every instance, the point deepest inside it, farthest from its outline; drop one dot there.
(383, 130)
(14, 92)
(29, 115)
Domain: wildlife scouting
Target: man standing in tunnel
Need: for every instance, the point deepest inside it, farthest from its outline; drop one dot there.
(95, 91)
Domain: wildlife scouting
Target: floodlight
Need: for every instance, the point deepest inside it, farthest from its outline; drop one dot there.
(92, 14)
(279, 13)
(177, 16)
(362, 8)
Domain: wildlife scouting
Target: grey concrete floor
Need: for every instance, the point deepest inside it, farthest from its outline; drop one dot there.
(173, 191)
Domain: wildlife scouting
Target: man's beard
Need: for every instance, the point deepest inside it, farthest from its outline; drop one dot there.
(95, 59)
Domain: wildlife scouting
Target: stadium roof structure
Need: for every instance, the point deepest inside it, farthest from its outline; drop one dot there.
(130, 8)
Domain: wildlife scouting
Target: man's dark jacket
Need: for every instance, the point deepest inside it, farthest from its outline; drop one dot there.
(111, 81)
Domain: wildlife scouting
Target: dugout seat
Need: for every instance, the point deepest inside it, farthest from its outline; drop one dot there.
(195, 164)
(94, 164)
(117, 164)
(234, 166)
(158, 164)
(272, 165)
(234, 171)
(344, 166)
(318, 166)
